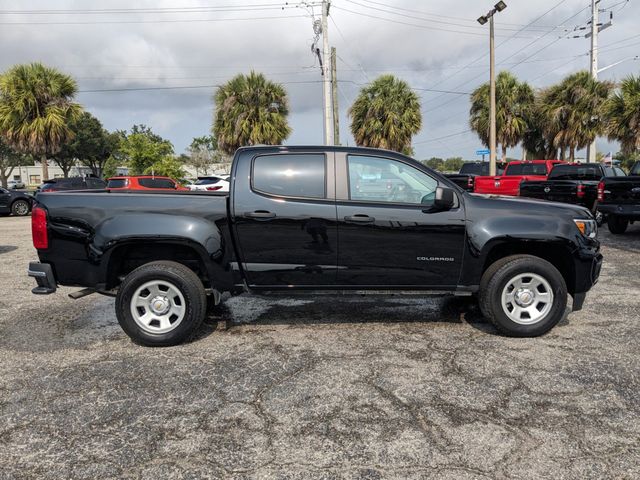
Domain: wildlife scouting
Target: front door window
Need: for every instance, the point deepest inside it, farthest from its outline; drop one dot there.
(382, 180)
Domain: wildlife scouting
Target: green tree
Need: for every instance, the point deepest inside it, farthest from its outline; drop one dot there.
(9, 160)
(386, 114)
(453, 164)
(536, 142)
(203, 153)
(90, 146)
(36, 108)
(110, 168)
(250, 110)
(627, 159)
(169, 166)
(514, 99)
(574, 111)
(142, 149)
(434, 163)
(623, 115)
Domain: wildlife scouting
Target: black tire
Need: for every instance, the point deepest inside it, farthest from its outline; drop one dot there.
(20, 208)
(495, 280)
(178, 277)
(617, 225)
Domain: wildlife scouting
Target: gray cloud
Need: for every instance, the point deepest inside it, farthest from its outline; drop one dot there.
(150, 55)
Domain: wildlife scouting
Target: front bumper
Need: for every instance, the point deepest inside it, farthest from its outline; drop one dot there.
(587, 274)
(43, 273)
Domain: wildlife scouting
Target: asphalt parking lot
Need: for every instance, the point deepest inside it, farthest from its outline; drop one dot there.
(319, 388)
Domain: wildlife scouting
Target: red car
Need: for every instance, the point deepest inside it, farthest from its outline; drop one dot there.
(516, 172)
(143, 182)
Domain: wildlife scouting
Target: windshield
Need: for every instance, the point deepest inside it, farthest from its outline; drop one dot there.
(636, 169)
(527, 169)
(576, 172)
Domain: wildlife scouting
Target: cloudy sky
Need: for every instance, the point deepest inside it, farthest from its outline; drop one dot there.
(157, 62)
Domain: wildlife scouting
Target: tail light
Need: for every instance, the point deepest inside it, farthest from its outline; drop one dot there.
(470, 183)
(214, 188)
(580, 192)
(39, 228)
(601, 192)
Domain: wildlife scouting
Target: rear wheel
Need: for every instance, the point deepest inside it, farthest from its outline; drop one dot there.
(161, 304)
(523, 296)
(617, 225)
(20, 208)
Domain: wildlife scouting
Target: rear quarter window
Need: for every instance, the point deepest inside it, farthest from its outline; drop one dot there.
(290, 175)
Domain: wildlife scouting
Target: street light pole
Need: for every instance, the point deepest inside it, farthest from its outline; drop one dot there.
(498, 7)
(591, 150)
(492, 100)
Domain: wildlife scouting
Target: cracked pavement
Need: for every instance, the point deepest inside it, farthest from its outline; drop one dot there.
(319, 388)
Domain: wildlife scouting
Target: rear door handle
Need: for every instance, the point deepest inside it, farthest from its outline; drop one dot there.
(260, 214)
(360, 218)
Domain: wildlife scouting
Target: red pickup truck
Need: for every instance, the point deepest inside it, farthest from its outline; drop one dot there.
(516, 172)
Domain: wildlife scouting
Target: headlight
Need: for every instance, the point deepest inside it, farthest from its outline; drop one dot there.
(588, 228)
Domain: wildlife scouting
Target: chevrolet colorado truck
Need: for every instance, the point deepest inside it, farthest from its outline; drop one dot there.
(294, 221)
(514, 174)
(572, 183)
(619, 200)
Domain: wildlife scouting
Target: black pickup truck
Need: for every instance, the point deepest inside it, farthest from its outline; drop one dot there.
(294, 220)
(465, 178)
(571, 183)
(619, 200)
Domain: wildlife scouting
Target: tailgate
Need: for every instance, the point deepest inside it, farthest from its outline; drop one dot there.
(622, 190)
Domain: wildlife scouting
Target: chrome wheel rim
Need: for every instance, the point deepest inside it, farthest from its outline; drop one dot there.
(158, 307)
(527, 298)
(21, 208)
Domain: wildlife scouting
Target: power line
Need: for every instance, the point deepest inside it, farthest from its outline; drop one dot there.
(427, 27)
(414, 17)
(123, 22)
(443, 137)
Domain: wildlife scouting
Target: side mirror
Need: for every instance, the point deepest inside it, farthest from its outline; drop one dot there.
(445, 198)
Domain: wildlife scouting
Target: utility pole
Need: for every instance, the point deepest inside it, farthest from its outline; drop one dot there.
(498, 7)
(334, 98)
(492, 100)
(326, 74)
(591, 151)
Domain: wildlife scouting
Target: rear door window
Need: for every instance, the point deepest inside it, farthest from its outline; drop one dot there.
(290, 175)
(117, 183)
(156, 183)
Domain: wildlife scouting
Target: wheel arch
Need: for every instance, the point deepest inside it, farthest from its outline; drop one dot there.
(556, 253)
(126, 256)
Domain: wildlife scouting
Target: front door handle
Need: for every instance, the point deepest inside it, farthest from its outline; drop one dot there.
(359, 218)
(260, 214)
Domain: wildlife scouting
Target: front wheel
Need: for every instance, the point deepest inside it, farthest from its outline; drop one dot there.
(20, 208)
(617, 225)
(161, 304)
(523, 296)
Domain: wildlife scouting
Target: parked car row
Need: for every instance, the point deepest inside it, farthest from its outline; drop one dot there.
(607, 191)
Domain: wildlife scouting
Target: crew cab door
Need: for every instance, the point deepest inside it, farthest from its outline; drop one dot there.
(389, 232)
(285, 219)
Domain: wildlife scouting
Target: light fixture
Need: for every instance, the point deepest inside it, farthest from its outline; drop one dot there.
(482, 20)
(500, 6)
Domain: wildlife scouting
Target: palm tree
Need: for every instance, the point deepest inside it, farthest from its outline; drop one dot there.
(623, 115)
(36, 107)
(386, 114)
(514, 99)
(574, 111)
(249, 110)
